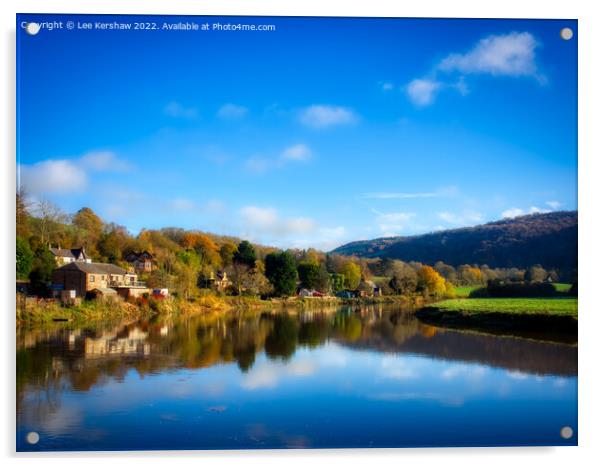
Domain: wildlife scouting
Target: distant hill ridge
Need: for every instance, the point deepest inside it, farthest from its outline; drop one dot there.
(548, 239)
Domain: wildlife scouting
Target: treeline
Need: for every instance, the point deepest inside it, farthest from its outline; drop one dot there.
(187, 261)
(548, 239)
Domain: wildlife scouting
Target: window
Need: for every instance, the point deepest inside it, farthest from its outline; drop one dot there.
(91, 278)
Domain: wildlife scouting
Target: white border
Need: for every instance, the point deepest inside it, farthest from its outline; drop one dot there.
(590, 152)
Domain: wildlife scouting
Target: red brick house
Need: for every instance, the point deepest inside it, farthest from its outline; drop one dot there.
(84, 277)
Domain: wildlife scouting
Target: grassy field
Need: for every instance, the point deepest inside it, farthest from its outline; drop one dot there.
(464, 291)
(562, 287)
(541, 306)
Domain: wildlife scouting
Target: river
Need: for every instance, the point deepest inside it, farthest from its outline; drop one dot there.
(370, 377)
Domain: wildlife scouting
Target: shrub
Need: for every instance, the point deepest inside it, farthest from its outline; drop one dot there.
(501, 289)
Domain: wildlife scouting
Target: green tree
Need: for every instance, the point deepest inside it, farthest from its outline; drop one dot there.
(281, 271)
(109, 246)
(313, 275)
(24, 258)
(281, 342)
(337, 282)
(245, 254)
(403, 284)
(255, 283)
(353, 275)
(41, 272)
(227, 251)
(159, 278)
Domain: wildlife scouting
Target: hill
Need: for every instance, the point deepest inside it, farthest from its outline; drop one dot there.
(548, 239)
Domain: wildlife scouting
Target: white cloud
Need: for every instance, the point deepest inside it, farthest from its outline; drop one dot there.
(232, 112)
(177, 110)
(104, 161)
(461, 86)
(517, 212)
(553, 204)
(323, 116)
(449, 191)
(260, 220)
(465, 218)
(537, 210)
(517, 375)
(266, 225)
(298, 152)
(258, 164)
(214, 206)
(387, 86)
(391, 224)
(183, 204)
(467, 371)
(510, 54)
(53, 177)
(394, 217)
(394, 367)
(333, 233)
(294, 153)
(60, 176)
(269, 373)
(513, 212)
(422, 91)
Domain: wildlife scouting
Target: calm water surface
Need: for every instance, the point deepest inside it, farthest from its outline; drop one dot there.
(375, 377)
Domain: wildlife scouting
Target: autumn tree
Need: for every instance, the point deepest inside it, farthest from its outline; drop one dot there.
(470, 275)
(89, 229)
(226, 252)
(536, 273)
(186, 273)
(446, 271)
(430, 282)
(109, 246)
(48, 221)
(22, 216)
(208, 251)
(353, 275)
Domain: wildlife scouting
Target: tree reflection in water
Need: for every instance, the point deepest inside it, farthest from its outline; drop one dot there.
(85, 357)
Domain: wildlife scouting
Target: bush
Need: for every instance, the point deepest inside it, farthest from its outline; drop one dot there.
(501, 289)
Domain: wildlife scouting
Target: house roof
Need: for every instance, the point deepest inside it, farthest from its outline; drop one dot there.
(94, 267)
(73, 253)
(104, 291)
(132, 256)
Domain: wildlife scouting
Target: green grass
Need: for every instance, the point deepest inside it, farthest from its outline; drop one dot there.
(543, 306)
(562, 287)
(464, 291)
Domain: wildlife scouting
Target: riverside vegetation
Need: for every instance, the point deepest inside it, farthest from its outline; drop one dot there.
(186, 261)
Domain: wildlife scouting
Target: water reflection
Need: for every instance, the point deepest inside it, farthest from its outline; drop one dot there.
(381, 355)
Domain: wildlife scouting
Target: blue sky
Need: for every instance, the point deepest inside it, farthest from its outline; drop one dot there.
(318, 133)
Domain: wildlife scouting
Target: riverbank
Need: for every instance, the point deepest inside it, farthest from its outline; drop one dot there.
(556, 315)
(41, 312)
